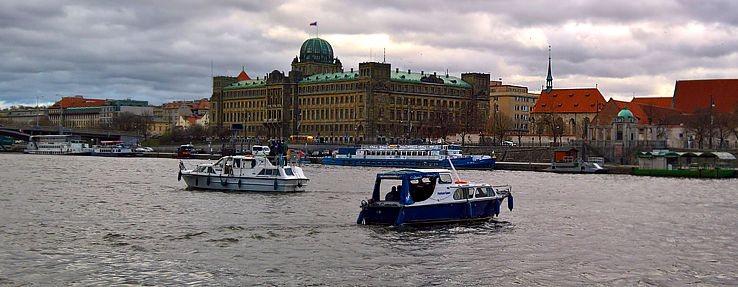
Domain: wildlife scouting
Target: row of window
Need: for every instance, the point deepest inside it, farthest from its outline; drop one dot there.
(312, 101)
(331, 114)
(434, 90)
(518, 99)
(316, 129)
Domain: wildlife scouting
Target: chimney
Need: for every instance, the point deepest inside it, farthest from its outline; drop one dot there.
(408, 71)
(352, 70)
(397, 70)
(422, 73)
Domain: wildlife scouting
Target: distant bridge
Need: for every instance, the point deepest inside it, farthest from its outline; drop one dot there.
(26, 133)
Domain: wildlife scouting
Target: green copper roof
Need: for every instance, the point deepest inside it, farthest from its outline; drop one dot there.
(316, 50)
(394, 76)
(625, 113)
(246, 84)
(422, 78)
(330, 77)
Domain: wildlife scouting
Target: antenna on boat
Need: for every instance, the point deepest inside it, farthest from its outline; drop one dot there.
(458, 179)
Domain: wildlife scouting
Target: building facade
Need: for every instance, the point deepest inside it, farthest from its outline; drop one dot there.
(318, 98)
(514, 101)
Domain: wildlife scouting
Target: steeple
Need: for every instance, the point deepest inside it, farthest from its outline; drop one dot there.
(549, 79)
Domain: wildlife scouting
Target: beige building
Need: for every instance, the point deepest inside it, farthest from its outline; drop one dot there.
(372, 104)
(514, 101)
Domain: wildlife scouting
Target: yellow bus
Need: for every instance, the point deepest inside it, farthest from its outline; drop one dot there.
(301, 138)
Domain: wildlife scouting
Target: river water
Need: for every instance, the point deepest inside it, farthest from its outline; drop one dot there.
(128, 221)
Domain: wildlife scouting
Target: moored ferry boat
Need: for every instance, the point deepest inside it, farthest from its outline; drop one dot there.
(57, 144)
(411, 156)
(114, 148)
(244, 173)
(427, 196)
(567, 160)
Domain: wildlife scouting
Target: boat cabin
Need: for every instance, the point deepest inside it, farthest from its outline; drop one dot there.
(566, 154)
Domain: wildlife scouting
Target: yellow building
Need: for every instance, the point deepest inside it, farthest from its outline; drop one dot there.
(371, 104)
(513, 101)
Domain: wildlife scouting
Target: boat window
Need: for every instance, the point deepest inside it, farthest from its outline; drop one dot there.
(210, 169)
(491, 191)
(445, 178)
(288, 171)
(268, 171)
(471, 192)
(422, 189)
(481, 192)
(237, 163)
(460, 194)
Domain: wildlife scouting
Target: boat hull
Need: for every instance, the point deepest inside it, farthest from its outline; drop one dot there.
(576, 167)
(395, 214)
(231, 183)
(459, 163)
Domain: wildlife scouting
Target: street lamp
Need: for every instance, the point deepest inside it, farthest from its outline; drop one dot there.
(37, 97)
(61, 111)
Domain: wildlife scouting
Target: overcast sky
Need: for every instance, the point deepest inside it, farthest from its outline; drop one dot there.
(161, 51)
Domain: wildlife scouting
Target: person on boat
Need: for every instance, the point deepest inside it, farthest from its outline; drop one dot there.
(393, 195)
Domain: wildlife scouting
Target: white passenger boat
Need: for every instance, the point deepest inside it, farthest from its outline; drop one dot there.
(412, 156)
(244, 173)
(114, 148)
(57, 144)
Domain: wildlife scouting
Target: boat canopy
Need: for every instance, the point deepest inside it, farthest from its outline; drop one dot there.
(406, 176)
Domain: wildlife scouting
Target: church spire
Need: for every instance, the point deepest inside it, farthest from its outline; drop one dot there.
(549, 79)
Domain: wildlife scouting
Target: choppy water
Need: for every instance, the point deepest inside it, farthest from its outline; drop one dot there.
(128, 221)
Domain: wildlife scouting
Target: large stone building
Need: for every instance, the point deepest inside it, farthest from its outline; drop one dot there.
(372, 104)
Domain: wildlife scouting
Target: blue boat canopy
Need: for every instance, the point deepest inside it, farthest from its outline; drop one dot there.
(406, 176)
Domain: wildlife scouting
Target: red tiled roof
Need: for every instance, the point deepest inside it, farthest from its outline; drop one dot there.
(243, 76)
(646, 114)
(77, 102)
(691, 94)
(587, 100)
(664, 102)
(202, 104)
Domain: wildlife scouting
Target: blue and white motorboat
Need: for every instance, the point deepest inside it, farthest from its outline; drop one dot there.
(244, 173)
(410, 156)
(428, 196)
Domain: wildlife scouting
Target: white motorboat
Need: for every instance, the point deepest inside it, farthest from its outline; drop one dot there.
(244, 173)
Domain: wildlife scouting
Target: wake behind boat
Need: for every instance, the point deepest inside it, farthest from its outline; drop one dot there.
(415, 196)
(412, 156)
(244, 173)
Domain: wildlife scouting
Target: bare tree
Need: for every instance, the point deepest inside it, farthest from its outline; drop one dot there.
(699, 125)
(498, 124)
(440, 123)
(722, 128)
(470, 119)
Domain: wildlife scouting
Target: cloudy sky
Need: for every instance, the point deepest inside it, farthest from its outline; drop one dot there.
(164, 50)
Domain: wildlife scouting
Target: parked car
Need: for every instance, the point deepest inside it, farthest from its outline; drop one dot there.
(508, 143)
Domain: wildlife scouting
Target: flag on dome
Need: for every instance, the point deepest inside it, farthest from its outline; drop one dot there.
(314, 23)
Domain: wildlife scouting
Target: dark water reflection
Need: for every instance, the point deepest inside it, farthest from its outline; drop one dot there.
(104, 221)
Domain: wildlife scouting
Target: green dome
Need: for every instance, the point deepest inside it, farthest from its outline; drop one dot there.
(625, 113)
(316, 50)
